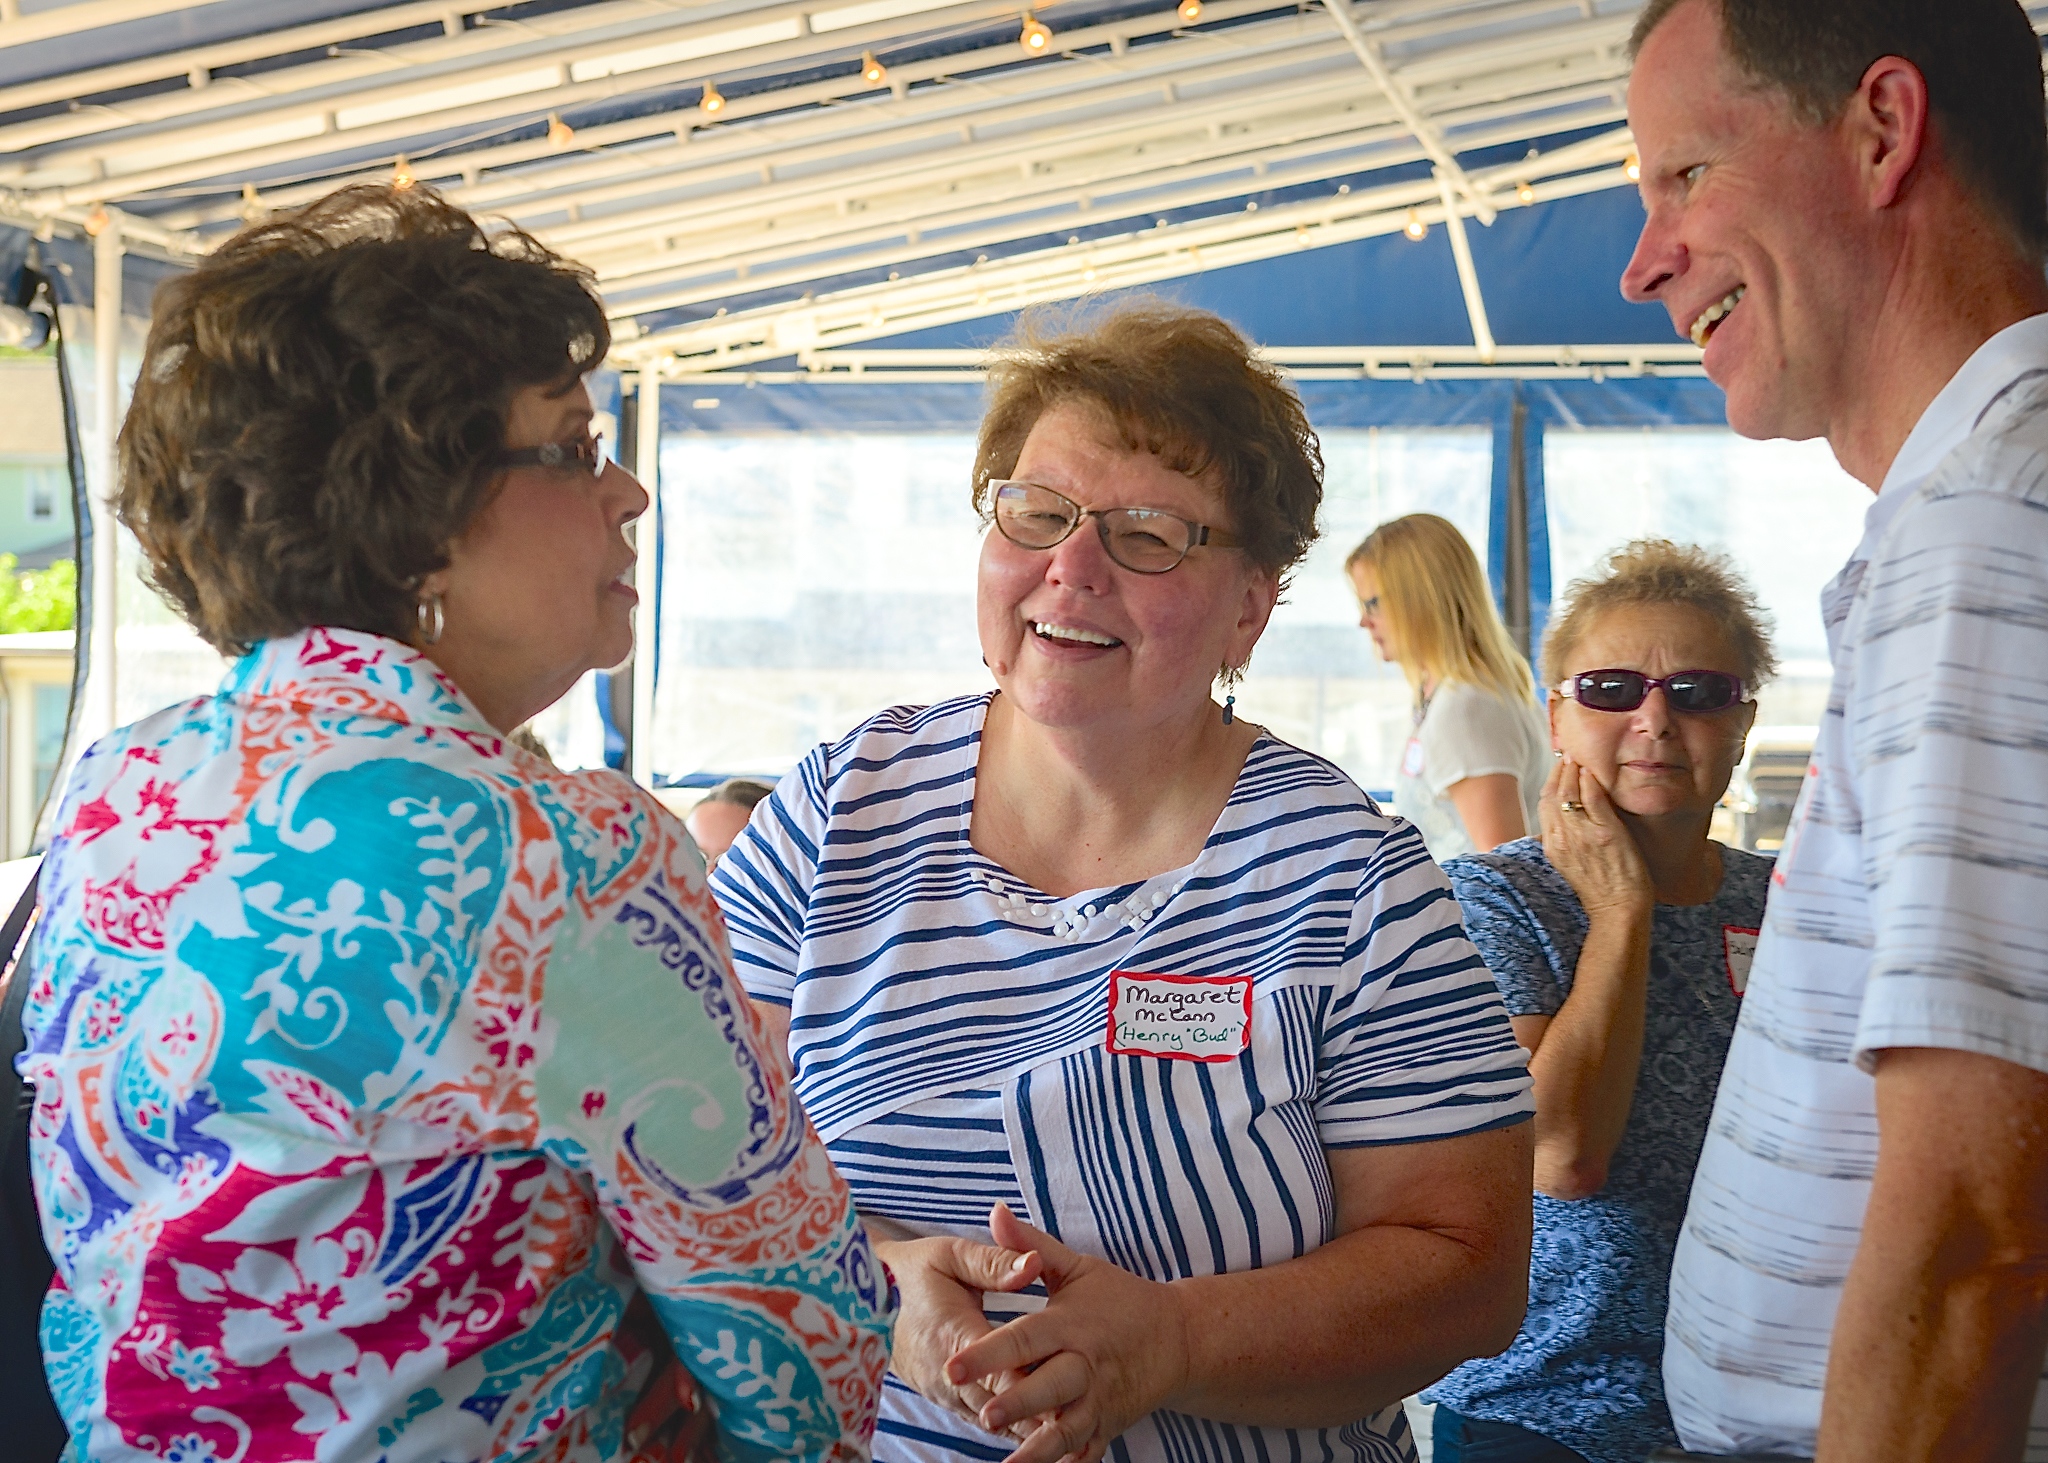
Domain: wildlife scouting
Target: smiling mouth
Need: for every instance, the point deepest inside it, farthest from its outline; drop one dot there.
(1710, 318)
(1072, 634)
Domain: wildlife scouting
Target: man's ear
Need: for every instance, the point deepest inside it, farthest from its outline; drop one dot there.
(1887, 121)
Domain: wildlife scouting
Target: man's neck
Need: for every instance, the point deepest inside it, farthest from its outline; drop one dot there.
(1939, 307)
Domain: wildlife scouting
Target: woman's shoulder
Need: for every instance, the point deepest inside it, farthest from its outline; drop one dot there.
(1464, 707)
(891, 736)
(1745, 880)
(1279, 770)
(1521, 871)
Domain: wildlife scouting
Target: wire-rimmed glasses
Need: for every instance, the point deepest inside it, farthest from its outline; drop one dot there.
(1143, 540)
(586, 452)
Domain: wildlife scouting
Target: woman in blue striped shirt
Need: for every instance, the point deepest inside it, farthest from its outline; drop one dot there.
(1152, 1048)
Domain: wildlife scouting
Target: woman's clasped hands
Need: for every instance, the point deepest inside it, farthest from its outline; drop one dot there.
(1108, 1348)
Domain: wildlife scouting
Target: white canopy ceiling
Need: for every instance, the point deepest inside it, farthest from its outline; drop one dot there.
(760, 179)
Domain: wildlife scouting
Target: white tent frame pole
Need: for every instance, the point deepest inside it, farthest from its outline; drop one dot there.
(110, 145)
(17, 29)
(647, 467)
(205, 58)
(100, 682)
(620, 159)
(777, 248)
(925, 174)
(1468, 273)
(109, 148)
(1404, 103)
(1142, 258)
(967, 97)
(968, 184)
(777, 257)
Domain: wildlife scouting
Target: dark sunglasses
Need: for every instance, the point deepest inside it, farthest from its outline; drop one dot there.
(584, 452)
(1626, 690)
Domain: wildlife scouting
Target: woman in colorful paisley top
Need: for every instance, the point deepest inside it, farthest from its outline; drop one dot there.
(379, 1065)
(1097, 969)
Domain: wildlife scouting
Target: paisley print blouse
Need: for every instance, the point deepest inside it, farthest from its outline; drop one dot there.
(378, 1065)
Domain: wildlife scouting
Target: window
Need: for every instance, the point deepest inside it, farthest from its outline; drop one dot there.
(807, 583)
(1315, 679)
(1785, 511)
(810, 581)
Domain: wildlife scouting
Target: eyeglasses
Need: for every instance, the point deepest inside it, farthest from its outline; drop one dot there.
(1697, 691)
(586, 451)
(1143, 540)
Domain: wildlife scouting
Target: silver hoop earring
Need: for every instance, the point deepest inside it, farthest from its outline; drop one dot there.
(432, 619)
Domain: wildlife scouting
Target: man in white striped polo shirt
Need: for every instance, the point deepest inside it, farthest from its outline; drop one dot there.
(1848, 206)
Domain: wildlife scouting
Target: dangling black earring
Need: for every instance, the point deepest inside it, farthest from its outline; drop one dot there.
(1229, 676)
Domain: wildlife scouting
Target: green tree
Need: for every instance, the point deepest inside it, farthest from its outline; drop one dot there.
(41, 599)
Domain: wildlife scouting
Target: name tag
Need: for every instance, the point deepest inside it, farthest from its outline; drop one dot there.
(1739, 945)
(1189, 1018)
(1411, 758)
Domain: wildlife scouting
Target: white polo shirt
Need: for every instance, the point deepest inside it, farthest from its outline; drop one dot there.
(1909, 908)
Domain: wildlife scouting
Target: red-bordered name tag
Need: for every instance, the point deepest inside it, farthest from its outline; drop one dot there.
(1739, 946)
(1185, 1018)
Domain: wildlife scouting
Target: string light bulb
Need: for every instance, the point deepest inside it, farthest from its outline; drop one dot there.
(1526, 192)
(713, 100)
(1633, 168)
(401, 174)
(1035, 36)
(560, 133)
(1190, 10)
(98, 221)
(871, 70)
(1416, 228)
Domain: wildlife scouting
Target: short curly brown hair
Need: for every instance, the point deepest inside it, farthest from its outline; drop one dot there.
(320, 401)
(1181, 384)
(1656, 571)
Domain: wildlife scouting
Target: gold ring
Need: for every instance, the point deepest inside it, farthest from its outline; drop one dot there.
(1571, 807)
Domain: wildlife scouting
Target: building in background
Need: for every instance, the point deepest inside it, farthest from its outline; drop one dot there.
(35, 487)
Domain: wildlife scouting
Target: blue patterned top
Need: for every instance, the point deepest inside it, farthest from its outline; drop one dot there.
(1586, 1369)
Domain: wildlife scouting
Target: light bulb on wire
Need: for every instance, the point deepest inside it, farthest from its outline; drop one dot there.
(1526, 192)
(1633, 168)
(871, 70)
(560, 133)
(1190, 10)
(1035, 36)
(1416, 229)
(401, 174)
(713, 100)
(98, 221)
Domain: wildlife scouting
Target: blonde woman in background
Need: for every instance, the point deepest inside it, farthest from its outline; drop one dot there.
(1474, 768)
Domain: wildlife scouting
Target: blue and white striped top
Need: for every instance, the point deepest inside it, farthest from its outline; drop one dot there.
(949, 1029)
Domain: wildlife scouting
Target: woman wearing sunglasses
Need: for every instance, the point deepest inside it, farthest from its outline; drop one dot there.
(1094, 977)
(382, 1069)
(1470, 774)
(1621, 940)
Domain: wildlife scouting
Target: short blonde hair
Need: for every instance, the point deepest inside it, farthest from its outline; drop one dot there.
(1434, 598)
(1655, 571)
